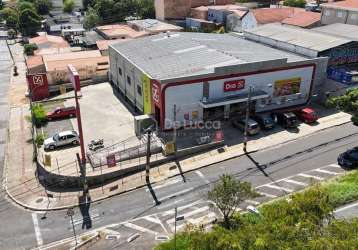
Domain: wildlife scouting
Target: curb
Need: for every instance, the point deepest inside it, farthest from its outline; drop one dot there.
(27, 207)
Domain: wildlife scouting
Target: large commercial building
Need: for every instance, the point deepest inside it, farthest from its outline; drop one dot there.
(191, 77)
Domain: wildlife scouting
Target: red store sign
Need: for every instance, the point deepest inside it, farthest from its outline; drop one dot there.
(234, 85)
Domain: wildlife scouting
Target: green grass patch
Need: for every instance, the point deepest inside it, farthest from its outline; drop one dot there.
(343, 189)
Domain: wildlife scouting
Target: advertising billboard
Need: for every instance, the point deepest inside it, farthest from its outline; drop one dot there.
(147, 98)
(234, 85)
(289, 86)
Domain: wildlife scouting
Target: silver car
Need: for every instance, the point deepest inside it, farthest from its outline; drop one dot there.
(252, 126)
(62, 139)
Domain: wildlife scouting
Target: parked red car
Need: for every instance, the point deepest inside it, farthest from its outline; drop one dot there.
(307, 115)
(61, 113)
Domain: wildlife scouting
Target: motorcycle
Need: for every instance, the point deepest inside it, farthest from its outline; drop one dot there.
(94, 145)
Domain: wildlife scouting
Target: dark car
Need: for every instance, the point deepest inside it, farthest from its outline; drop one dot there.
(61, 113)
(307, 115)
(252, 126)
(349, 159)
(265, 120)
(287, 119)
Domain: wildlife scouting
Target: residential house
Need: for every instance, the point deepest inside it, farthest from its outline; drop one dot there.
(340, 12)
(153, 26)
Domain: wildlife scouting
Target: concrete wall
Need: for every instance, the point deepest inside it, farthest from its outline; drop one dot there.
(331, 15)
(130, 90)
(236, 24)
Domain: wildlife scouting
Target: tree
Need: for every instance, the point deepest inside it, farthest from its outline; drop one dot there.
(228, 193)
(347, 103)
(68, 6)
(11, 33)
(88, 3)
(295, 3)
(11, 17)
(29, 22)
(24, 5)
(29, 49)
(1, 5)
(105, 10)
(146, 8)
(43, 6)
(91, 18)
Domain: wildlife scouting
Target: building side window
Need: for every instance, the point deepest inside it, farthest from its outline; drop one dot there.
(354, 16)
(339, 14)
(120, 71)
(129, 80)
(139, 90)
(327, 13)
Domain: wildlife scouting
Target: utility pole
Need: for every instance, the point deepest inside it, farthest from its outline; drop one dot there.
(83, 176)
(247, 118)
(147, 164)
(175, 129)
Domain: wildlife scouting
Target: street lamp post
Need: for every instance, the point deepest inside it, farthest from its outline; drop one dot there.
(247, 117)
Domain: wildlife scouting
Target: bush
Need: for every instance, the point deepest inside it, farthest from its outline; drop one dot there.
(39, 115)
(295, 3)
(68, 6)
(39, 140)
(354, 119)
(29, 49)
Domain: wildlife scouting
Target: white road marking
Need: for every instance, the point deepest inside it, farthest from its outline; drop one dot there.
(311, 176)
(278, 188)
(210, 217)
(252, 202)
(202, 176)
(296, 182)
(139, 228)
(168, 183)
(171, 211)
(268, 195)
(346, 207)
(37, 229)
(335, 166)
(191, 213)
(177, 193)
(161, 206)
(325, 171)
(151, 219)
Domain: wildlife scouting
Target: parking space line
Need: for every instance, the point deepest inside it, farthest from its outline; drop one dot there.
(37, 229)
(191, 213)
(139, 228)
(171, 211)
(311, 176)
(252, 202)
(268, 195)
(325, 171)
(279, 188)
(200, 174)
(335, 166)
(296, 182)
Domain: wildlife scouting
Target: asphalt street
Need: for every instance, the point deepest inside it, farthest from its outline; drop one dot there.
(274, 172)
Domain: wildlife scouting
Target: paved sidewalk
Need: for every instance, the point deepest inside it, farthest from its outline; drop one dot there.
(24, 189)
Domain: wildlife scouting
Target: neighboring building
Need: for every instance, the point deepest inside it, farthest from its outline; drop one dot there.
(340, 12)
(207, 76)
(102, 45)
(307, 20)
(57, 21)
(119, 31)
(200, 12)
(218, 13)
(239, 21)
(88, 40)
(91, 66)
(153, 26)
(200, 25)
(46, 42)
(180, 9)
(337, 43)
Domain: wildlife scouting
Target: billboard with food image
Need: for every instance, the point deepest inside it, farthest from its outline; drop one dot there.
(287, 86)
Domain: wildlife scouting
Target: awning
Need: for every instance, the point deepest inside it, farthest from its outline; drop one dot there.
(242, 97)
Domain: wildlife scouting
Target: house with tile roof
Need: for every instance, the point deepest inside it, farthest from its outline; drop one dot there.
(340, 12)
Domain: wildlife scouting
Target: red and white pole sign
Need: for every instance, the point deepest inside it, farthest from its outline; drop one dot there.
(234, 85)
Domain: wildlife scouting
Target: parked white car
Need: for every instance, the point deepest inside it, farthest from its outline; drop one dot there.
(62, 139)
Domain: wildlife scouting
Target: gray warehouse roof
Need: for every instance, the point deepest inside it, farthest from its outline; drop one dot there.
(185, 53)
(347, 31)
(299, 37)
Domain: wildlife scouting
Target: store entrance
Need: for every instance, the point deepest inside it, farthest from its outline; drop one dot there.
(214, 113)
